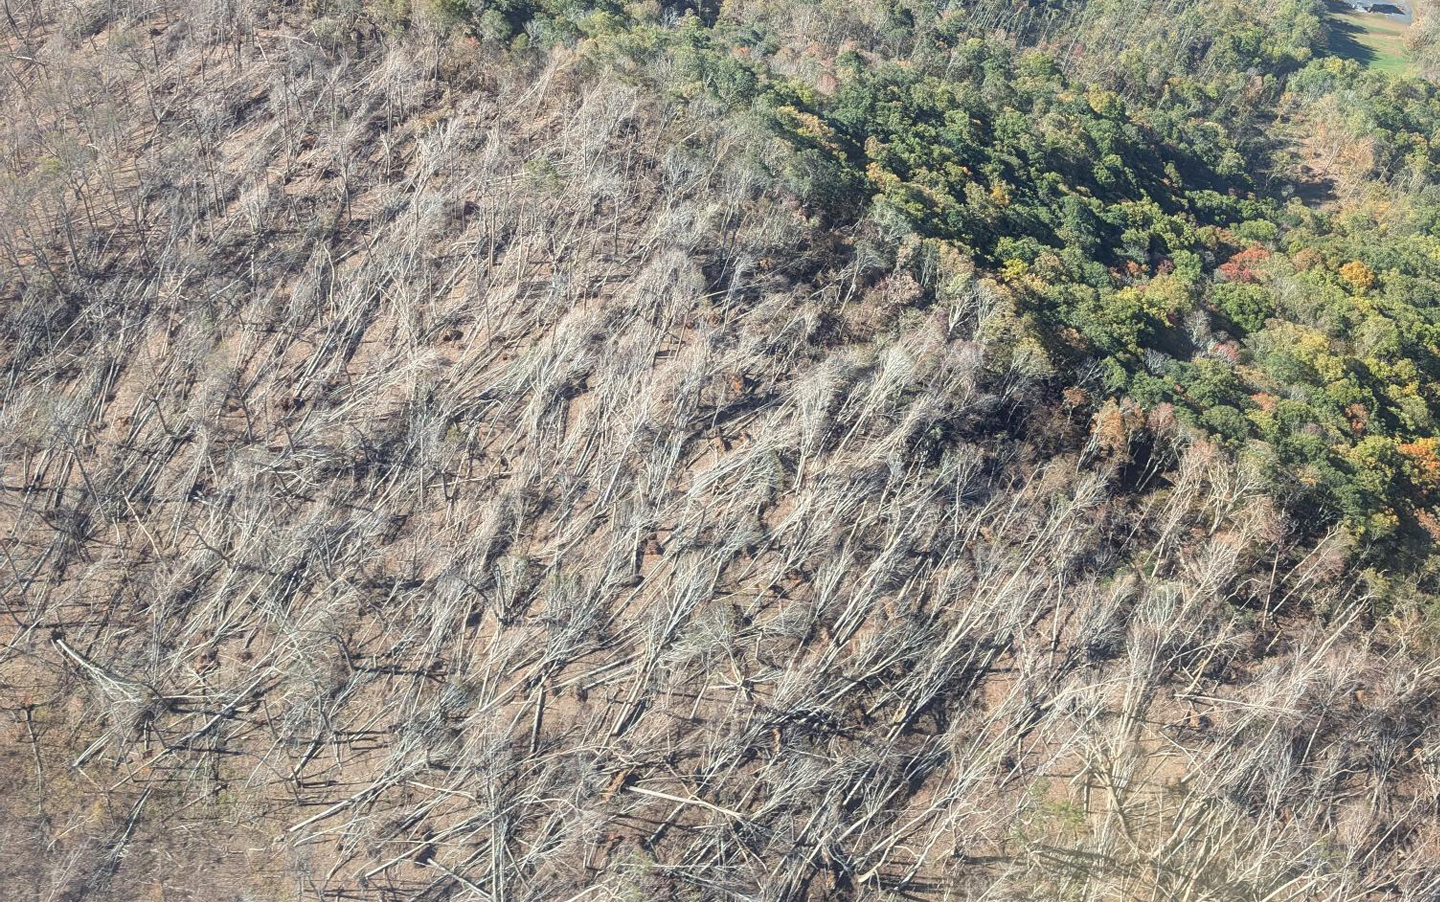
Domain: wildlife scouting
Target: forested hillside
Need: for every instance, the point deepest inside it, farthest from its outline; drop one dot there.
(750, 450)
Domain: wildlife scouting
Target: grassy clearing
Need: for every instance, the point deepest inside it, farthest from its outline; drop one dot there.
(1372, 40)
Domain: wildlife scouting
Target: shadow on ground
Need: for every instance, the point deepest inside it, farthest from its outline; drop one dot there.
(1343, 36)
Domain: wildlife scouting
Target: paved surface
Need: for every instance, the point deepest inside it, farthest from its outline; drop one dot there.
(1394, 10)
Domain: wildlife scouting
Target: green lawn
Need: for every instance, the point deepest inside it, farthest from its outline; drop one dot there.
(1372, 40)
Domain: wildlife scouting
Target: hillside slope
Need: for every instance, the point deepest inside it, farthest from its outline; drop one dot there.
(444, 458)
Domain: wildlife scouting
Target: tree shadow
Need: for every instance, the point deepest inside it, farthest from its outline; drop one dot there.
(1342, 36)
(1314, 189)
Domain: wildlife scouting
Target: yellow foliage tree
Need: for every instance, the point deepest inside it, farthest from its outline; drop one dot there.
(1358, 276)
